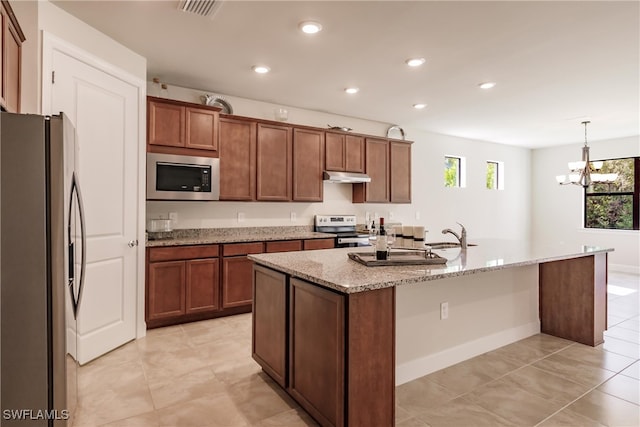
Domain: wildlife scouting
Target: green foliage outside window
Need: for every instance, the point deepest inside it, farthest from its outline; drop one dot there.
(492, 175)
(451, 172)
(611, 205)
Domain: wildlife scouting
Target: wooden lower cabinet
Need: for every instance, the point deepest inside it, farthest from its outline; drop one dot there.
(269, 342)
(237, 273)
(183, 284)
(337, 358)
(166, 290)
(202, 289)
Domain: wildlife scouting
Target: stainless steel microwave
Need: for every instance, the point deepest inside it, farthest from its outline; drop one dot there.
(172, 177)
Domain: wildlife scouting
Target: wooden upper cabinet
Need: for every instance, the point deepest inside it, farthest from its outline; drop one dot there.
(273, 160)
(400, 168)
(175, 127)
(10, 59)
(344, 153)
(377, 167)
(237, 152)
(308, 165)
(201, 129)
(166, 124)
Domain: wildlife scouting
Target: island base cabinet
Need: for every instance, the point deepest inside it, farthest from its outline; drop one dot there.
(334, 353)
(573, 298)
(269, 322)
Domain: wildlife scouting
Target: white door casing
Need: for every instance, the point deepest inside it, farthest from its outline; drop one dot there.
(104, 106)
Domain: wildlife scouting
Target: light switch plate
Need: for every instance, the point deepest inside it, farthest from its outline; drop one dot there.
(240, 216)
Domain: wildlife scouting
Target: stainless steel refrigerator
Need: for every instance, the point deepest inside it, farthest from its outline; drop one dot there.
(42, 257)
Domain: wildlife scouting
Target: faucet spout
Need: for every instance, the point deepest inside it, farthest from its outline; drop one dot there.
(462, 237)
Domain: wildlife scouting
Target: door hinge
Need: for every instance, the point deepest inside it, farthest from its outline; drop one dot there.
(53, 77)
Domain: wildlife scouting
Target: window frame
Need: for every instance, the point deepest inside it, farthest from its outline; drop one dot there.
(496, 181)
(635, 199)
(460, 175)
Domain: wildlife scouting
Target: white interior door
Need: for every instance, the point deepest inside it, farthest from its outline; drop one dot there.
(105, 112)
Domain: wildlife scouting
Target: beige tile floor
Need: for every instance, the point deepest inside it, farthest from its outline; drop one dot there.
(202, 374)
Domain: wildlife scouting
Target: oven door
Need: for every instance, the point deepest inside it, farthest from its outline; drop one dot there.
(352, 242)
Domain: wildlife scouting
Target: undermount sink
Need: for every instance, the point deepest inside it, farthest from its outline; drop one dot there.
(446, 245)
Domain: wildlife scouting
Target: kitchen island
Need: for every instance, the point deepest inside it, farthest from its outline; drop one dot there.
(339, 336)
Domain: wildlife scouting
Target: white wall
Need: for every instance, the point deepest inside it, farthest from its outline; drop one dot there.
(485, 213)
(558, 210)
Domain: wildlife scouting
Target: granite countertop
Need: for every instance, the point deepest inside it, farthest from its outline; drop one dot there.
(333, 269)
(204, 236)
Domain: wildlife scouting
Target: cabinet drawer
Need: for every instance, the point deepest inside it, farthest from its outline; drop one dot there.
(234, 249)
(319, 244)
(183, 252)
(284, 246)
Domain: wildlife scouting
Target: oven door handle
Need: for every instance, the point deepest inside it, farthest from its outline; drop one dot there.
(342, 240)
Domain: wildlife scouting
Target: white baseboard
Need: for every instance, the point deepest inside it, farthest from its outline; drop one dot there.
(420, 367)
(633, 269)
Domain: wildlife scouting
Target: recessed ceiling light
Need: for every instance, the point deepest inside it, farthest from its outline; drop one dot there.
(487, 85)
(415, 62)
(419, 106)
(351, 90)
(310, 27)
(261, 69)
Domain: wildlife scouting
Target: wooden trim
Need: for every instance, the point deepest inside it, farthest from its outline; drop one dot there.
(196, 317)
(14, 20)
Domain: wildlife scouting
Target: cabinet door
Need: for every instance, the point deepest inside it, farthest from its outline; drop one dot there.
(273, 158)
(400, 166)
(334, 154)
(165, 124)
(202, 285)
(201, 129)
(269, 337)
(166, 290)
(354, 153)
(237, 150)
(377, 167)
(237, 276)
(316, 364)
(308, 165)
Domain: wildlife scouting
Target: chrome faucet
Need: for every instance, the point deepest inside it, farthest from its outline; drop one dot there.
(462, 237)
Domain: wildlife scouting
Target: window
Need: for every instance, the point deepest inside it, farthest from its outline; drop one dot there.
(615, 205)
(495, 175)
(454, 171)
(492, 175)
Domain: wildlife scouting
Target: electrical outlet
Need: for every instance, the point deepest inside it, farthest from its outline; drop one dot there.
(417, 214)
(240, 216)
(173, 216)
(444, 310)
(392, 216)
(294, 217)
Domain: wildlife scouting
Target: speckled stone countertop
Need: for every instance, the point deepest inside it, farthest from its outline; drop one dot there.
(203, 236)
(331, 268)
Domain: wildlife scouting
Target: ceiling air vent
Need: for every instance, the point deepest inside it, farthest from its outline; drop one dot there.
(200, 7)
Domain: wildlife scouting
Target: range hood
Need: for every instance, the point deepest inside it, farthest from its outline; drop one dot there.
(346, 177)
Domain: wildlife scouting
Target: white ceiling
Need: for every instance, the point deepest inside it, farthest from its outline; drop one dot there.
(555, 62)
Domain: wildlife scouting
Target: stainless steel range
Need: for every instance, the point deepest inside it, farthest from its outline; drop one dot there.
(345, 228)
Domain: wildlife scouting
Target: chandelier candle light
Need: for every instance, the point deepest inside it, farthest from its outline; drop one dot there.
(584, 172)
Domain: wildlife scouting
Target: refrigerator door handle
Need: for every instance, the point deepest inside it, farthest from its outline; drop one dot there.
(75, 193)
(83, 237)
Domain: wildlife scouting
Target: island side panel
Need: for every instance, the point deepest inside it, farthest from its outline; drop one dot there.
(371, 358)
(573, 299)
(269, 321)
(316, 351)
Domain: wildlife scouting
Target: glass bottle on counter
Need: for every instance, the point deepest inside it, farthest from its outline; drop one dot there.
(381, 242)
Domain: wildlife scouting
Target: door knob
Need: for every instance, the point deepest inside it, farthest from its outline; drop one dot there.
(132, 243)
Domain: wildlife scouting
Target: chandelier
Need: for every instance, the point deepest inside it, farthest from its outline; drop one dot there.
(584, 172)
